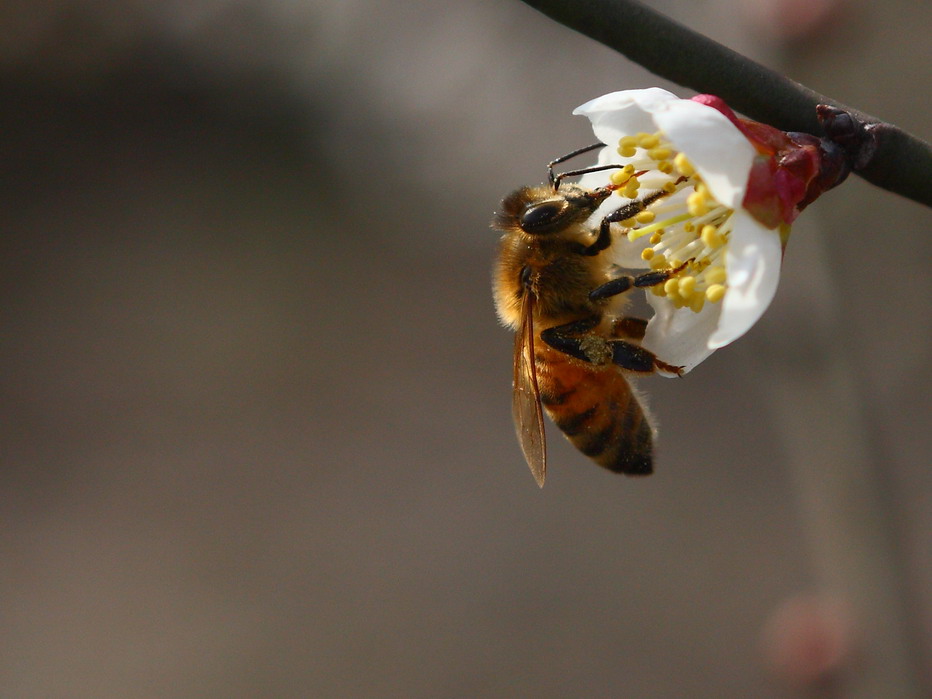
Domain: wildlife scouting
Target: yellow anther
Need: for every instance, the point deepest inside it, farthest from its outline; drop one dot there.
(628, 142)
(675, 262)
(696, 302)
(628, 169)
(711, 237)
(629, 223)
(631, 188)
(659, 153)
(697, 204)
(646, 217)
(715, 293)
(666, 167)
(688, 227)
(658, 262)
(648, 141)
(656, 237)
(686, 286)
(715, 275)
(671, 287)
(619, 177)
(669, 187)
(678, 301)
(683, 166)
(647, 253)
(657, 290)
(627, 151)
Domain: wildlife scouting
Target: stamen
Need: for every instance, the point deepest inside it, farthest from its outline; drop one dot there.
(717, 215)
(711, 237)
(619, 177)
(631, 188)
(697, 204)
(715, 275)
(695, 227)
(715, 293)
(648, 141)
(683, 166)
(686, 286)
(640, 232)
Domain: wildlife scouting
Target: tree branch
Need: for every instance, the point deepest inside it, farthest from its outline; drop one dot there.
(888, 157)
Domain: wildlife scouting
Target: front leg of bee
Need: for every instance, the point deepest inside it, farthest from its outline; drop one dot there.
(623, 213)
(577, 340)
(621, 284)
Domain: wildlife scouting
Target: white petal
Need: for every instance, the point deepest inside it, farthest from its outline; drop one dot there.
(753, 265)
(679, 336)
(628, 253)
(721, 154)
(624, 113)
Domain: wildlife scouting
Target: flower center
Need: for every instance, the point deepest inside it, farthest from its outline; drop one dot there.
(687, 225)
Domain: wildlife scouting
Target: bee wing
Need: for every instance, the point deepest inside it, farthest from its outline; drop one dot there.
(525, 399)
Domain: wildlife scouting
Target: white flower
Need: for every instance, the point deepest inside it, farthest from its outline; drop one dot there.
(701, 158)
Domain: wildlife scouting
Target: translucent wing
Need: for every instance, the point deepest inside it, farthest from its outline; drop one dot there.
(525, 400)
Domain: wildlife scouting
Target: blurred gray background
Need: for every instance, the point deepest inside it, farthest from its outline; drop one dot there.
(256, 433)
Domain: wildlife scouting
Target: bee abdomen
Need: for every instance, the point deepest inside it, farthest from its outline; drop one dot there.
(625, 446)
(601, 417)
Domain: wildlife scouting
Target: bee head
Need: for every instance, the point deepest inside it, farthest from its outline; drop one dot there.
(543, 210)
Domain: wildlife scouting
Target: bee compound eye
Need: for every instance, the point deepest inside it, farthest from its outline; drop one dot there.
(539, 217)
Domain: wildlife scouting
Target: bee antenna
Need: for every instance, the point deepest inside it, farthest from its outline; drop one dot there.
(555, 180)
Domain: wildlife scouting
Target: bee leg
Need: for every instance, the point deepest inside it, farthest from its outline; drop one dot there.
(601, 242)
(573, 329)
(635, 358)
(629, 328)
(619, 285)
(577, 340)
(623, 213)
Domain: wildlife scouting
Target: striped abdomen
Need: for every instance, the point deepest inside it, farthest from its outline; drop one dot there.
(596, 409)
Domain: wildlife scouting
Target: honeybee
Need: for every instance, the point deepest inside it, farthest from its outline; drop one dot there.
(556, 287)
